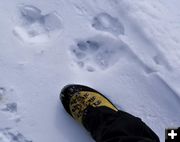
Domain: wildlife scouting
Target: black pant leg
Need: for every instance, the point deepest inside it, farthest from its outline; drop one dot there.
(106, 125)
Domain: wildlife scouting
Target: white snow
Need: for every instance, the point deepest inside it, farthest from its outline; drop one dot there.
(128, 50)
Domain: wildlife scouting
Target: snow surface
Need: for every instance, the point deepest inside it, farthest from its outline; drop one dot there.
(128, 50)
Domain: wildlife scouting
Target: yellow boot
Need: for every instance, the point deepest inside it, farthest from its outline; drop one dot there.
(76, 98)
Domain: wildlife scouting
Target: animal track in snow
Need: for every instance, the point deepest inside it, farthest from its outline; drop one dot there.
(9, 135)
(107, 23)
(8, 104)
(160, 60)
(101, 53)
(10, 107)
(2, 93)
(96, 53)
(36, 27)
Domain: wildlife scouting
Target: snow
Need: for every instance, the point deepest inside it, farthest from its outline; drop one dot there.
(128, 50)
